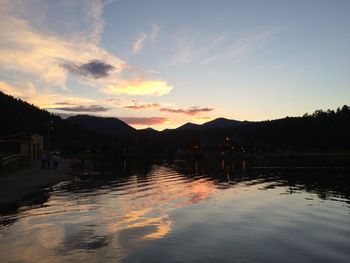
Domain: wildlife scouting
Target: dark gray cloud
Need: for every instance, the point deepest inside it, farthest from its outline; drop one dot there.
(80, 108)
(95, 68)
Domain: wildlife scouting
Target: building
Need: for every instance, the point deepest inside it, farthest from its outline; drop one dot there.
(193, 149)
(29, 146)
(230, 148)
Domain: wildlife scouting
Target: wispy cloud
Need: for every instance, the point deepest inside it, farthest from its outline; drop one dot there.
(251, 41)
(154, 32)
(138, 106)
(144, 120)
(185, 55)
(188, 111)
(138, 44)
(48, 100)
(44, 99)
(24, 91)
(29, 52)
(143, 38)
(38, 51)
(209, 60)
(208, 47)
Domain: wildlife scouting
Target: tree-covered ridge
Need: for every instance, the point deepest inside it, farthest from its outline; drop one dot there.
(18, 116)
(320, 131)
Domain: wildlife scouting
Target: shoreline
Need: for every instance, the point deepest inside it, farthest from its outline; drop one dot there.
(15, 188)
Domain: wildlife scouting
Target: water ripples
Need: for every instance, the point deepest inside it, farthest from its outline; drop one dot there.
(131, 215)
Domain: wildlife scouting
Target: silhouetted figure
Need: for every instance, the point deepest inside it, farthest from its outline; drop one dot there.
(43, 160)
(48, 160)
(56, 160)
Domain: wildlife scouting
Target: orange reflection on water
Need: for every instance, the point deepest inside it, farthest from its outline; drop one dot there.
(196, 192)
(132, 212)
(135, 215)
(148, 205)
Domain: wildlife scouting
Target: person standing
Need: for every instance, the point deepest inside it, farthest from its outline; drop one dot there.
(48, 159)
(56, 160)
(43, 160)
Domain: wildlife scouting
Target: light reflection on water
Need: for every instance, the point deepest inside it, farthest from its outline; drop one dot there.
(186, 213)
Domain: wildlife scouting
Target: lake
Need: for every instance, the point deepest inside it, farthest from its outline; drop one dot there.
(186, 212)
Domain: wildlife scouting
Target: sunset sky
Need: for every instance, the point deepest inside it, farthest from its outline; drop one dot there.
(164, 63)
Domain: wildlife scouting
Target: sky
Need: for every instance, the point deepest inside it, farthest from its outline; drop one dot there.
(163, 63)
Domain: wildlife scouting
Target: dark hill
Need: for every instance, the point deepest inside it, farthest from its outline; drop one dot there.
(221, 123)
(188, 126)
(68, 136)
(148, 130)
(320, 131)
(102, 125)
(17, 116)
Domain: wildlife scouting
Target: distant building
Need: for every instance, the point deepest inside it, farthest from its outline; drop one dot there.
(28, 146)
(194, 149)
(229, 148)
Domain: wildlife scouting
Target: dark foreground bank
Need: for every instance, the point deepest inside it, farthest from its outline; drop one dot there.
(16, 187)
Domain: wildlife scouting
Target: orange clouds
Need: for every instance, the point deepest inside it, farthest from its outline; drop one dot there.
(46, 58)
(28, 51)
(139, 87)
(188, 111)
(52, 101)
(137, 106)
(66, 70)
(17, 91)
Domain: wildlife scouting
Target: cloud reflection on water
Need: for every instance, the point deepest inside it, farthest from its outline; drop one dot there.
(164, 191)
(112, 217)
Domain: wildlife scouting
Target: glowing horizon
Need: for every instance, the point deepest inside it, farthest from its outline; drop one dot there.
(177, 62)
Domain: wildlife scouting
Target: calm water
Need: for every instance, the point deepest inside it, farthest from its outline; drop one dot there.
(186, 213)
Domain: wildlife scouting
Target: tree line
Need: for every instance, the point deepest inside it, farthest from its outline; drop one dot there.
(320, 131)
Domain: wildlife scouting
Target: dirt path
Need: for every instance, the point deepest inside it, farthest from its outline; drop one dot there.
(14, 187)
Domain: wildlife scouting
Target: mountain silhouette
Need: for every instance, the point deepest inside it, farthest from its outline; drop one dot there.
(219, 123)
(188, 126)
(320, 131)
(102, 125)
(222, 123)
